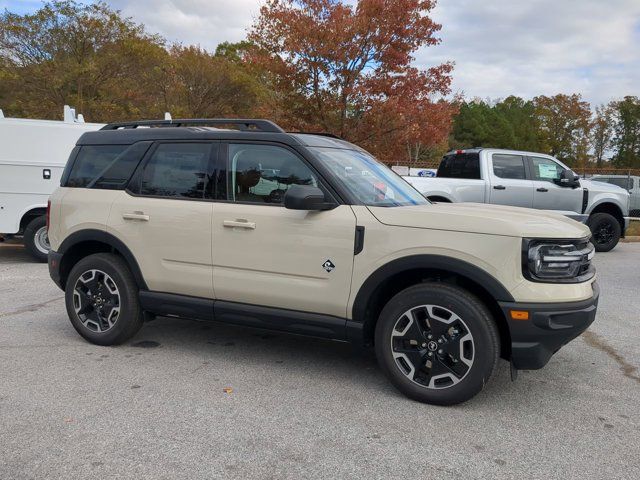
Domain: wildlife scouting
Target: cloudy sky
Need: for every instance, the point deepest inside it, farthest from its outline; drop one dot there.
(500, 47)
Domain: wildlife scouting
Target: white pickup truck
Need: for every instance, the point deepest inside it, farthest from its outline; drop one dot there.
(532, 180)
(33, 154)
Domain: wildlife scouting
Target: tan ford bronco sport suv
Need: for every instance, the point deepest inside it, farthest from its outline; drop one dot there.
(239, 222)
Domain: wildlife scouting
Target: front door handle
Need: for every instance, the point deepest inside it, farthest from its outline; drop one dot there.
(136, 216)
(499, 187)
(541, 189)
(239, 224)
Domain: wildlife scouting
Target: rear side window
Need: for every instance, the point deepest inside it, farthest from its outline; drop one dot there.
(509, 166)
(462, 165)
(105, 166)
(180, 170)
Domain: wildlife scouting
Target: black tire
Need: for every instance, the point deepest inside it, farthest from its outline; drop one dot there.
(606, 231)
(115, 274)
(474, 317)
(33, 240)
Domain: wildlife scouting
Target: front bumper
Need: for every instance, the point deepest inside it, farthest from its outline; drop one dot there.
(549, 327)
(54, 259)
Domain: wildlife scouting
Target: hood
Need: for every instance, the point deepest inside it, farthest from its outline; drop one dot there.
(482, 218)
(603, 187)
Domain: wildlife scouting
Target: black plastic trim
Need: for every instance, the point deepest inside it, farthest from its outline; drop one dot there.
(359, 242)
(172, 305)
(585, 200)
(437, 262)
(550, 326)
(108, 239)
(292, 321)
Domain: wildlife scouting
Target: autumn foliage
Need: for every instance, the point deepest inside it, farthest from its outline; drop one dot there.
(348, 71)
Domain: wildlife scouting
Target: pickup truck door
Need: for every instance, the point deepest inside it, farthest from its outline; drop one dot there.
(508, 182)
(547, 194)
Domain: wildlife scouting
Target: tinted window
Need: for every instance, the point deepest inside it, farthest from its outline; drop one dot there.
(263, 173)
(545, 169)
(464, 165)
(509, 166)
(177, 170)
(91, 161)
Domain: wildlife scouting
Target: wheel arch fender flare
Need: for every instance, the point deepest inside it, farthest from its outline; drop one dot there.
(426, 261)
(101, 236)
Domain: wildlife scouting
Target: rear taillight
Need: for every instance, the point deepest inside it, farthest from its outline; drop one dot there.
(48, 213)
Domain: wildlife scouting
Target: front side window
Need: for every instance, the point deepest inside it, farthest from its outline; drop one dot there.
(546, 170)
(368, 180)
(263, 173)
(509, 166)
(180, 170)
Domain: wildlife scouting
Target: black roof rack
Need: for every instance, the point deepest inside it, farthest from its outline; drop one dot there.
(322, 134)
(244, 124)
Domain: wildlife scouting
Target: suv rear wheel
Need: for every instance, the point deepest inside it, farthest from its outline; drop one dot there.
(437, 343)
(101, 297)
(36, 239)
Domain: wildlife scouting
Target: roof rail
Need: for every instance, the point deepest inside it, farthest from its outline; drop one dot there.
(321, 134)
(244, 124)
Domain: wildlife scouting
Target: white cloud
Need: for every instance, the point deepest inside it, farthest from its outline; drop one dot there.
(203, 22)
(528, 48)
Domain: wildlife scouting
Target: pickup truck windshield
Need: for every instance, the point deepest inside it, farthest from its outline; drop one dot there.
(371, 182)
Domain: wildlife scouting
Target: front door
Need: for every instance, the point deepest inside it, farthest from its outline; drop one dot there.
(267, 255)
(165, 219)
(547, 194)
(508, 180)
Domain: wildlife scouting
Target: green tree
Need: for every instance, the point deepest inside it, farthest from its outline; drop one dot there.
(84, 55)
(565, 122)
(626, 140)
(602, 130)
(199, 84)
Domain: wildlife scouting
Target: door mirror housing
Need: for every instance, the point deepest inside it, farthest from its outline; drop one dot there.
(306, 197)
(568, 179)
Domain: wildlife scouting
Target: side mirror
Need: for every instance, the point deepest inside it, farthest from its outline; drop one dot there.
(306, 197)
(568, 179)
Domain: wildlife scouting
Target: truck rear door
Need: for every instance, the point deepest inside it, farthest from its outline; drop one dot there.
(508, 180)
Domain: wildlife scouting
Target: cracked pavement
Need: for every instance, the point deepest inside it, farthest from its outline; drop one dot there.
(192, 400)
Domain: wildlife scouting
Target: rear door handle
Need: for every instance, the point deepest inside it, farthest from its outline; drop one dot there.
(239, 224)
(541, 189)
(136, 216)
(499, 187)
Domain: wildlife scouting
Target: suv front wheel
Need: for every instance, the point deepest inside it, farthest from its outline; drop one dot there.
(101, 297)
(437, 343)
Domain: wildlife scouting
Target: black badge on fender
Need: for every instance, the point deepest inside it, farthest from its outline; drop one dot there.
(328, 265)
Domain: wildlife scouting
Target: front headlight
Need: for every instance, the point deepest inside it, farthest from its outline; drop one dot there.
(560, 261)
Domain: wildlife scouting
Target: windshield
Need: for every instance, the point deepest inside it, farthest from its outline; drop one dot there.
(371, 182)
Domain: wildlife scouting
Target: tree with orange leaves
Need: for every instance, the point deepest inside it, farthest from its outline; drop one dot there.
(348, 70)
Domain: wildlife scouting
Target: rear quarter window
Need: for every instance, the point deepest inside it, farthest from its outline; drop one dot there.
(461, 165)
(104, 166)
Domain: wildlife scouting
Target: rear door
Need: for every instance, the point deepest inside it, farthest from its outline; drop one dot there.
(548, 195)
(165, 217)
(267, 255)
(509, 182)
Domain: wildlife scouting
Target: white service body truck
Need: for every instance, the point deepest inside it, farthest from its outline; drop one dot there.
(33, 154)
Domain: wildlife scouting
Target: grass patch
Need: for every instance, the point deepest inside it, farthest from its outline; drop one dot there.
(634, 228)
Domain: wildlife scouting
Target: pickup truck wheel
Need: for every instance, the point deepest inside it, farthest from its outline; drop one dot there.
(101, 297)
(606, 231)
(437, 343)
(36, 239)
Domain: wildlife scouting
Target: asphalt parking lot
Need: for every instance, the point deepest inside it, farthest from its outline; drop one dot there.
(299, 407)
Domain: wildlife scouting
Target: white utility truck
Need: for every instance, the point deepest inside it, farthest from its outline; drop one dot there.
(33, 154)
